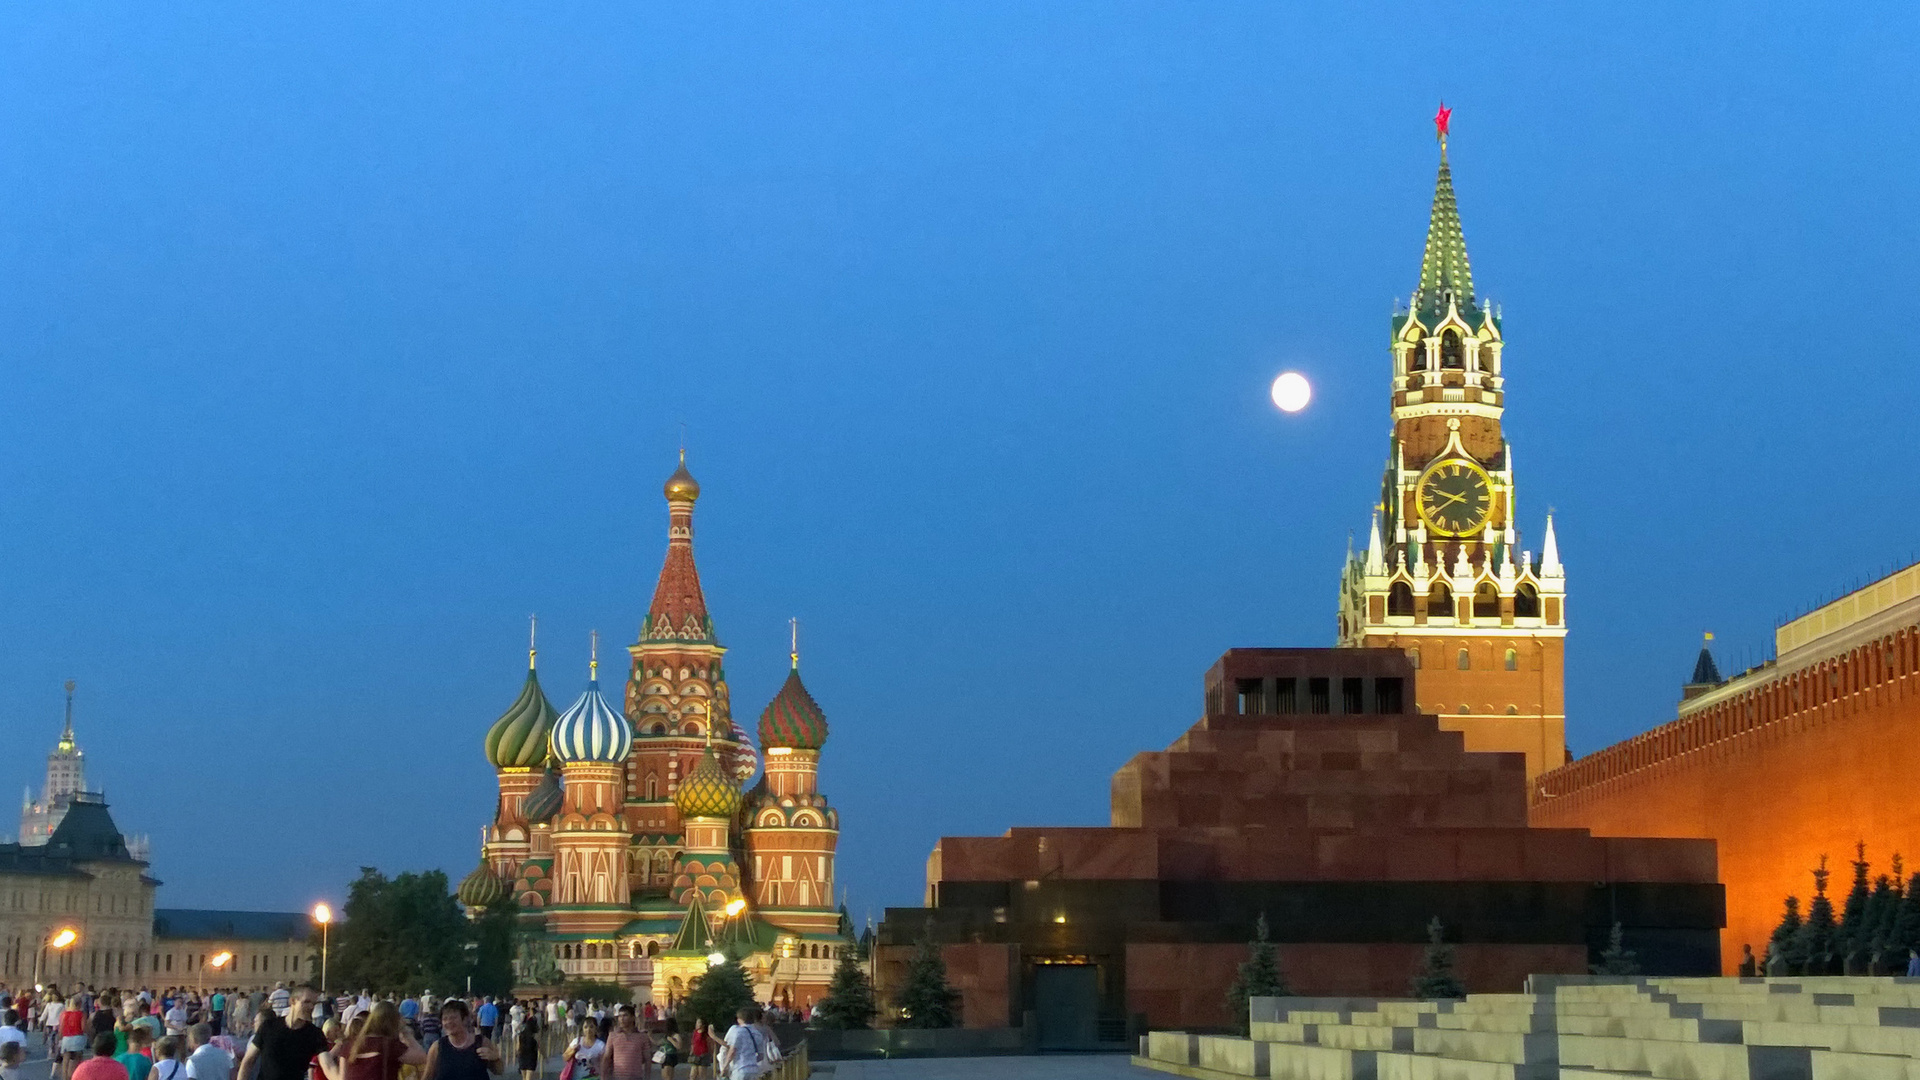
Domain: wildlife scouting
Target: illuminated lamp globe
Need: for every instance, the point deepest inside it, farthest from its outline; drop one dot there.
(1291, 392)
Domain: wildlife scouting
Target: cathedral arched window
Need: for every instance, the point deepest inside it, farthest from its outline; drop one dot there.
(690, 729)
(1417, 357)
(1414, 655)
(1513, 660)
(1526, 602)
(1486, 601)
(653, 786)
(1400, 599)
(1453, 351)
(1440, 601)
(1463, 661)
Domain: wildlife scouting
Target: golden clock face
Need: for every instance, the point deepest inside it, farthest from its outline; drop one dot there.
(1455, 497)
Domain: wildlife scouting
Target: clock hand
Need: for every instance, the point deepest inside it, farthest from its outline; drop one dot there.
(1449, 498)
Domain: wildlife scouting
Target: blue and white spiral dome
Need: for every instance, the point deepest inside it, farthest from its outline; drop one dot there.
(591, 730)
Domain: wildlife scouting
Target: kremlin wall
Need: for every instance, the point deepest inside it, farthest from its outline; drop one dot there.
(1822, 736)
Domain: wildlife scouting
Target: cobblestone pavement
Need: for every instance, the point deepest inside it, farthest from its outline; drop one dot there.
(1042, 1067)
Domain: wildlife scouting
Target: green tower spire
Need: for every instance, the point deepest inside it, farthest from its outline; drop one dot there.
(1443, 267)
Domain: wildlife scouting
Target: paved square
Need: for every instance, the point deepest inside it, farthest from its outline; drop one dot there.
(1042, 1067)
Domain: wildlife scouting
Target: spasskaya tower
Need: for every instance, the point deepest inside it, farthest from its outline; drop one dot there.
(1443, 576)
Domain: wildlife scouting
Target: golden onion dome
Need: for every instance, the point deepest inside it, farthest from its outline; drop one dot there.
(707, 791)
(681, 486)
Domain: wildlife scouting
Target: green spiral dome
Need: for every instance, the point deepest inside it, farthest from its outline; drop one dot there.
(518, 740)
(482, 888)
(707, 791)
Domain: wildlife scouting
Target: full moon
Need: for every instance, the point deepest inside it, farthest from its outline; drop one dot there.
(1291, 392)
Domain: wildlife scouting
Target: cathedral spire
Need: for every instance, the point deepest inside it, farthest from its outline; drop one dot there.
(1443, 267)
(679, 608)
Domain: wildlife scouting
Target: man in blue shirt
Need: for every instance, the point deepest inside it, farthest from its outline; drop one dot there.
(489, 1018)
(410, 1013)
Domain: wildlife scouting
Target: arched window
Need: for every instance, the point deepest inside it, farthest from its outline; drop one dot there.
(1464, 662)
(1439, 601)
(1453, 352)
(1486, 601)
(1414, 655)
(1526, 602)
(659, 729)
(1400, 599)
(653, 948)
(1513, 710)
(1513, 660)
(690, 728)
(1465, 710)
(1417, 357)
(653, 786)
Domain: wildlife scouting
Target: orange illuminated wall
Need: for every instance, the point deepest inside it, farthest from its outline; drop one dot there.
(1799, 759)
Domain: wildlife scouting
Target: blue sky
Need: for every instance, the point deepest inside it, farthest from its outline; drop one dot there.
(336, 339)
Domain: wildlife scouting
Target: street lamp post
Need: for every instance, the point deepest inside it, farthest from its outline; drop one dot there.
(56, 940)
(323, 915)
(217, 961)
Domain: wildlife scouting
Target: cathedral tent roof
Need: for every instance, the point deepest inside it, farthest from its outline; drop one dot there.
(693, 936)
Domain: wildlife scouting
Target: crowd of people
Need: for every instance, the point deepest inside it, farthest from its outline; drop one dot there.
(293, 1034)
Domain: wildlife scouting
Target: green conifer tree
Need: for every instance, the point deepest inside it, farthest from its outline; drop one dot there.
(1784, 946)
(1906, 921)
(925, 1000)
(1436, 980)
(849, 1004)
(1817, 933)
(717, 996)
(1260, 975)
(1882, 905)
(1851, 939)
(1617, 959)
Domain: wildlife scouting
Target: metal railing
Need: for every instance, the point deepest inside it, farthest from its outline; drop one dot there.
(795, 1065)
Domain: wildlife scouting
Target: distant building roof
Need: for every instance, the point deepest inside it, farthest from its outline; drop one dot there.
(202, 924)
(1705, 671)
(85, 835)
(87, 832)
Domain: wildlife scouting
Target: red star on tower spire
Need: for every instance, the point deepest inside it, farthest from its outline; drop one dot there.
(1440, 121)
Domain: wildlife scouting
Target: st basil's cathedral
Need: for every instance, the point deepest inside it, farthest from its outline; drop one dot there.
(623, 834)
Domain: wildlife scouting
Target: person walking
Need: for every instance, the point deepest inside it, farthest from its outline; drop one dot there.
(73, 1037)
(377, 1050)
(629, 1054)
(461, 1053)
(169, 1060)
(206, 1061)
(101, 1066)
(744, 1052)
(585, 1050)
(283, 1048)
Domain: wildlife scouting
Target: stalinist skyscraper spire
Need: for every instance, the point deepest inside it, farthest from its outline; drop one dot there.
(66, 777)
